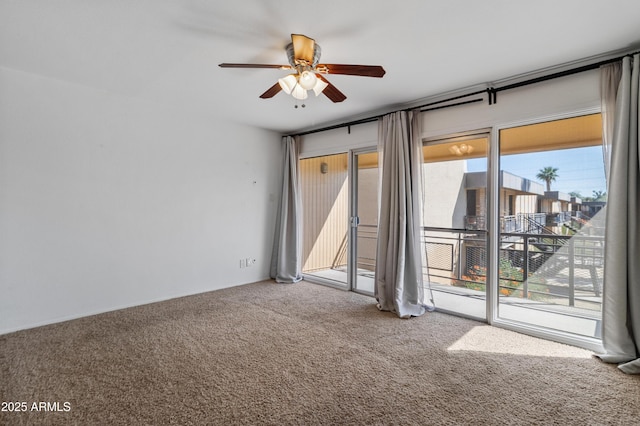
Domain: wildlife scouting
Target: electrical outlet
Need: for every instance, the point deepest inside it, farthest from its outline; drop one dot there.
(247, 262)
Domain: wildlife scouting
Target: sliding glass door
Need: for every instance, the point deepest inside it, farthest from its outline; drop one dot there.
(455, 222)
(326, 227)
(340, 219)
(512, 235)
(552, 207)
(364, 219)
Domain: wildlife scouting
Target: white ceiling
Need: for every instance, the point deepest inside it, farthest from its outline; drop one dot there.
(168, 51)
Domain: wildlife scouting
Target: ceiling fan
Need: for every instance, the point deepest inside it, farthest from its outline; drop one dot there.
(304, 54)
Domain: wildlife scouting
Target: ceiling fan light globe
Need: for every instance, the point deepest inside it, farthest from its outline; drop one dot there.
(307, 80)
(299, 93)
(288, 83)
(319, 86)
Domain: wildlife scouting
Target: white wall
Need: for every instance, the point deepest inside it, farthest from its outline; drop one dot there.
(445, 198)
(108, 202)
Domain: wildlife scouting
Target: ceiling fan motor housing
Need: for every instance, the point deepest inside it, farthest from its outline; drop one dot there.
(302, 63)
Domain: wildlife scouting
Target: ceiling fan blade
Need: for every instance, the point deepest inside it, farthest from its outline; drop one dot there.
(303, 47)
(227, 65)
(362, 70)
(272, 91)
(332, 91)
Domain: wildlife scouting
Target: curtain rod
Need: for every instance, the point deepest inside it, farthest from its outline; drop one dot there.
(492, 93)
(422, 108)
(559, 74)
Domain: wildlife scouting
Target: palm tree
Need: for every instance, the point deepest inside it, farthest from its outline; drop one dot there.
(548, 175)
(576, 194)
(599, 195)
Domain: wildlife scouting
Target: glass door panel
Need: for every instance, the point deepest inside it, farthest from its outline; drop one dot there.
(325, 200)
(365, 222)
(455, 232)
(552, 206)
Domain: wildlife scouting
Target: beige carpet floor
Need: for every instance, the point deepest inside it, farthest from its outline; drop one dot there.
(301, 354)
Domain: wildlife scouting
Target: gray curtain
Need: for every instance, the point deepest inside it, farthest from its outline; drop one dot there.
(398, 272)
(621, 302)
(286, 258)
(609, 80)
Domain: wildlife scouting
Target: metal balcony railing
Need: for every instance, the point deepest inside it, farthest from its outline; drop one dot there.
(557, 269)
(532, 223)
(367, 242)
(548, 268)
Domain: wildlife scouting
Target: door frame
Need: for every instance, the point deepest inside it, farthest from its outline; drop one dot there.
(352, 176)
(354, 218)
(461, 136)
(493, 223)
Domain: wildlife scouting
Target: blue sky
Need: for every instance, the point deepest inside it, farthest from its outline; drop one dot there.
(579, 169)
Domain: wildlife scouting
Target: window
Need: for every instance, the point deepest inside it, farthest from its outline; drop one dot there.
(551, 240)
(454, 232)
